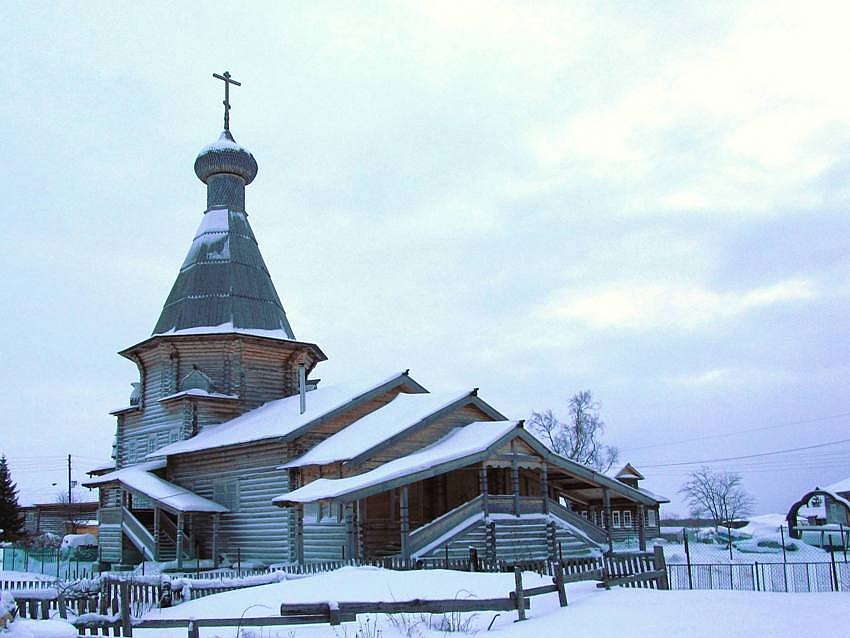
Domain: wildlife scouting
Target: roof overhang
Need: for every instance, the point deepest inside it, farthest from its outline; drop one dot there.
(284, 344)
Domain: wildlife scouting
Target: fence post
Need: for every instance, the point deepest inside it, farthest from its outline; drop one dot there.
(559, 583)
(688, 559)
(126, 625)
(661, 563)
(519, 594)
(834, 571)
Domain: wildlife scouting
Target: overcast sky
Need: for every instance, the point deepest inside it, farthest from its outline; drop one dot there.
(649, 200)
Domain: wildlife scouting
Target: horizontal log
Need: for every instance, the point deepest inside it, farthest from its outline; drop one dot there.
(407, 606)
(265, 621)
(635, 578)
(543, 589)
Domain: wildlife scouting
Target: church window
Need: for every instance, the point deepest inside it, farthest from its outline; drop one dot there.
(615, 518)
(226, 492)
(627, 519)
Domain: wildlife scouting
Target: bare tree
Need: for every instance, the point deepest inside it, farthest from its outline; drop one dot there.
(75, 517)
(717, 494)
(578, 438)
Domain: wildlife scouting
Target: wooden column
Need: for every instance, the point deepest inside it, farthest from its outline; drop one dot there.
(216, 524)
(515, 478)
(544, 486)
(157, 531)
(642, 526)
(348, 515)
(482, 482)
(299, 534)
(180, 524)
(360, 513)
(404, 518)
(606, 512)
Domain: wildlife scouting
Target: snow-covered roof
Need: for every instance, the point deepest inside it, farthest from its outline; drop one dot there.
(197, 392)
(402, 413)
(628, 471)
(103, 467)
(841, 486)
(278, 419)
(228, 328)
(141, 479)
(653, 495)
(457, 444)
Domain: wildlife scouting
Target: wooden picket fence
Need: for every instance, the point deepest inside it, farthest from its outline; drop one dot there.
(109, 610)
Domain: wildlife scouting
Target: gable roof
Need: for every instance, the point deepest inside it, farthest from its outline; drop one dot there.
(282, 419)
(460, 443)
(461, 447)
(628, 471)
(391, 422)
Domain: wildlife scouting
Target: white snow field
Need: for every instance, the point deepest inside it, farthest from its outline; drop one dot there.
(591, 612)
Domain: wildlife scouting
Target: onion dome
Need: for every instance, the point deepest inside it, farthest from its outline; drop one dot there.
(225, 156)
(225, 167)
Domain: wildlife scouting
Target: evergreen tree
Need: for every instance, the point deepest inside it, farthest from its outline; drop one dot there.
(11, 521)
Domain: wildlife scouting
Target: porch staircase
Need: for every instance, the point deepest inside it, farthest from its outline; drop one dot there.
(503, 536)
(138, 528)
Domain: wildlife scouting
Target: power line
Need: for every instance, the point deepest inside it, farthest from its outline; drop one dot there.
(750, 456)
(736, 432)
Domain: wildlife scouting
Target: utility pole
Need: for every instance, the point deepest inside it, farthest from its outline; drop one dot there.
(71, 529)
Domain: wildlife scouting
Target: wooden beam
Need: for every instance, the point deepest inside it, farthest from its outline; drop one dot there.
(515, 479)
(157, 531)
(482, 481)
(544, 487)
(180, 525)
(216, 525)
(404, 518)
(606, 512)
(642, 527)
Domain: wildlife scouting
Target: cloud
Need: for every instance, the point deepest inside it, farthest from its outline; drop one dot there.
(742, 123)
(648, 306)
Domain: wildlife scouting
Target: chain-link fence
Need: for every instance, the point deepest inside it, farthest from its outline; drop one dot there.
(708, 558)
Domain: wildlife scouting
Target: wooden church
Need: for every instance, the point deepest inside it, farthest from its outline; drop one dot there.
(228, 449)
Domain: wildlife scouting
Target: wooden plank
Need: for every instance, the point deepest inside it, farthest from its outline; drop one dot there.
(575, 577)
(543, 589)
(634, 578)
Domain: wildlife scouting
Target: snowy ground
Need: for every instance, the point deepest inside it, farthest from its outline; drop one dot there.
(600, 613)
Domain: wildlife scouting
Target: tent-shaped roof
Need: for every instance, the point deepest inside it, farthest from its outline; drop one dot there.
(283, 418)
(224, 284)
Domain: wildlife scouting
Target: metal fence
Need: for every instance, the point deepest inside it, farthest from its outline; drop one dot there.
(731, 562)
(776, 577)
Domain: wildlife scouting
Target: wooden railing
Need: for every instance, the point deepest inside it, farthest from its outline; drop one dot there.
(428, 533)
(593, 532)
(139, 534)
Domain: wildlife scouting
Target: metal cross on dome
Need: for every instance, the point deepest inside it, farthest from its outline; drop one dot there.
(227, 83)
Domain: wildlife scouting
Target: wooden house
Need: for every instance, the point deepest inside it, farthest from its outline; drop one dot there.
(228, 449)
(821, 517)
